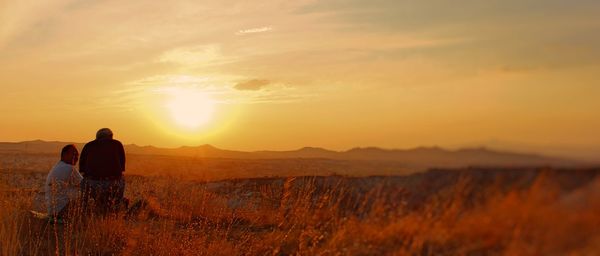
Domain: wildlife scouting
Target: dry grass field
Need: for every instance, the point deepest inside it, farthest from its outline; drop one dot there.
(439, 212)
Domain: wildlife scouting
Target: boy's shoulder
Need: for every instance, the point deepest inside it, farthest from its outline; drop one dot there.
(62, 167)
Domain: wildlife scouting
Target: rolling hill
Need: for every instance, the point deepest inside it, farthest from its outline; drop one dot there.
(422, 157)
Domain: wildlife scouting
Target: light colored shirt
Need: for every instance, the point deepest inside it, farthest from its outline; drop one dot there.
(62, 186)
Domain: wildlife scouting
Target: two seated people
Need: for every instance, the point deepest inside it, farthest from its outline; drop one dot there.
(97, 187)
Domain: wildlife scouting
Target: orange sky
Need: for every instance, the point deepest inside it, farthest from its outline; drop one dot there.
(520, 75)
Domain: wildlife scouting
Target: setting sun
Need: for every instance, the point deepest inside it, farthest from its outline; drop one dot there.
(190, 108)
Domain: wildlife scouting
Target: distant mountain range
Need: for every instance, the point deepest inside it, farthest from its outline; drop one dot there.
(422, 157)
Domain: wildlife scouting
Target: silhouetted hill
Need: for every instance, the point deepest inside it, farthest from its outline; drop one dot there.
(35, 147)
(419, 158)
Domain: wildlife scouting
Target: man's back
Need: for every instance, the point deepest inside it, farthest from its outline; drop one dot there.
(102, 159)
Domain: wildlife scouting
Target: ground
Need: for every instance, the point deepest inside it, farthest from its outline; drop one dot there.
(469, 211)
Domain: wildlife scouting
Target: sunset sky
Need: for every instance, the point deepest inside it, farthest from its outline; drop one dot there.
(249, 75)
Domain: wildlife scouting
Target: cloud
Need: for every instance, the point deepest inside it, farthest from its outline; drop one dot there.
(18, 18)
(252, 85)
(254, 30)
(141, 93)
(436, 15)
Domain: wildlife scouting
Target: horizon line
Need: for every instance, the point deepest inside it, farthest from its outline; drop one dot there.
(450, 149)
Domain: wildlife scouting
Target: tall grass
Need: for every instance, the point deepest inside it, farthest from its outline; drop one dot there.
(318, 216)
(10, 228)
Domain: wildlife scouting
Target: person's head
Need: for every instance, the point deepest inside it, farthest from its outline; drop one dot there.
(104, 133)
(69, 154)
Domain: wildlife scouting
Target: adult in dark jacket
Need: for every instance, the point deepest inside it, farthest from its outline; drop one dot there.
(102, 163)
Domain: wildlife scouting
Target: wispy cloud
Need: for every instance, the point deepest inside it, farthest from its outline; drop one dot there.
(254, 30)
(18, 17)
(252, 85)
(247, 92)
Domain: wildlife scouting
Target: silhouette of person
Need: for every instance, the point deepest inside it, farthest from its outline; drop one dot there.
(102, 164)
(62, 184)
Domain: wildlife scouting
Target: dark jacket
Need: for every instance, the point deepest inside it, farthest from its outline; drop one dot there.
(102, 159)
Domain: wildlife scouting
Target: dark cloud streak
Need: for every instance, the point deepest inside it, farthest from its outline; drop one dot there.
(252, 85)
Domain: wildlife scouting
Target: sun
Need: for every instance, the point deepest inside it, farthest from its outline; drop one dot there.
(190, 108)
